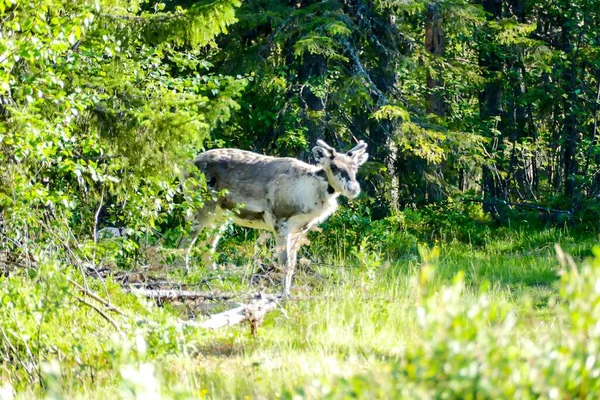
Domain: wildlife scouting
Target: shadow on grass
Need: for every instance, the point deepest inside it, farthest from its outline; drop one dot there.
(219, 348)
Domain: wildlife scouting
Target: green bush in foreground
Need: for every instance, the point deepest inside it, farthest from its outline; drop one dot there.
(475, 349)
(53, 336)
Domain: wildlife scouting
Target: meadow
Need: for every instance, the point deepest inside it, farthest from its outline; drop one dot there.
(512, 316)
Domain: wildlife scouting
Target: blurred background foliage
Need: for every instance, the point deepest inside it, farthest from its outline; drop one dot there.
(486, 110)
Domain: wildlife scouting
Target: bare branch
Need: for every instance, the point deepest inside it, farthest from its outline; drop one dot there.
(94, 296)
(381, 98)
(99, 311)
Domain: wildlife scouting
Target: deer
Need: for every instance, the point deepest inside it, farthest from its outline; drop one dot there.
(282, 195)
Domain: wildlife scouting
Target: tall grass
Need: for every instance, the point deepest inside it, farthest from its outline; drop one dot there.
(450, 320)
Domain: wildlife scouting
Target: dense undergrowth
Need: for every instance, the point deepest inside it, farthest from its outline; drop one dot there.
(499, 318)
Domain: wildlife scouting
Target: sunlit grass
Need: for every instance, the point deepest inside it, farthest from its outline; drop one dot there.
(359, 321)
(352, 321)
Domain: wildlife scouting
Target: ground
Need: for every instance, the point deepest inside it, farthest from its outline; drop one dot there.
(365, 326)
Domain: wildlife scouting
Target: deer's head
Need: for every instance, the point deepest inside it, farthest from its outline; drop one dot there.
(341, 168)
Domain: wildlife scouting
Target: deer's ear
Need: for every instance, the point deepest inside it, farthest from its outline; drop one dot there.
(360, 159)
(321, 152)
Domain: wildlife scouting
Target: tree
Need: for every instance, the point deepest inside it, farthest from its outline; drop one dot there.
(102, 102)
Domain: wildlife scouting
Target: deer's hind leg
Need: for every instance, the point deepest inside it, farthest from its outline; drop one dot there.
(206, 218)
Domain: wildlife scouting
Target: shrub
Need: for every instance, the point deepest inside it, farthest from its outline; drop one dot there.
(49, 330)
(469, 347)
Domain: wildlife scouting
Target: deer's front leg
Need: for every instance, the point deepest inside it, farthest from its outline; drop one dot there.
(287, 253)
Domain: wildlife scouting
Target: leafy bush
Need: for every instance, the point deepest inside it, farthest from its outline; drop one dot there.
(50, 329)
(398, 234)
(471, 346)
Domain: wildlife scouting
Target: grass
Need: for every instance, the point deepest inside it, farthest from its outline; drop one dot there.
(354, 330)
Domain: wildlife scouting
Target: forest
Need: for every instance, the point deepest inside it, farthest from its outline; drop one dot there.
(468, 267)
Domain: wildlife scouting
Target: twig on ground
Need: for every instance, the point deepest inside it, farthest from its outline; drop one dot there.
(99, 311)
(99, 299)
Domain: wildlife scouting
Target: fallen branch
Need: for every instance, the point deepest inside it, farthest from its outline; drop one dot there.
(253, 312)
(99, 311)
(99, 299)
(174, 294)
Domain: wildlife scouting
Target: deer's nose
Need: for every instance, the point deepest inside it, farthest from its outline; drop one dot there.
(353, 189)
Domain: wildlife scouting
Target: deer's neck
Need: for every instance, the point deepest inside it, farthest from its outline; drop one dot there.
(322, 177)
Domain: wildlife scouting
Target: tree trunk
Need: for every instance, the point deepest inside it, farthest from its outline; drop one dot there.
(569, 137)
(313, 67)
(434, 44)
(382, 80)
(490, 109)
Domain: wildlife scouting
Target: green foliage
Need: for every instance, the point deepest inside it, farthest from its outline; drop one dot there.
(473, 344)
(424, 324)
(101, 107)
(95, 111)
(398, 234)
(48, 332)
(391, 112)
(103, 104)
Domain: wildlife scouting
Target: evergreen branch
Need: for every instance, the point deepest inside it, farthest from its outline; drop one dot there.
(381, 97)
(144, 17)
(365, 21)
(271, 38)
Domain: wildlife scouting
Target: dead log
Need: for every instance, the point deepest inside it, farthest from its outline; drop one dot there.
(253, 312)
(176, 294)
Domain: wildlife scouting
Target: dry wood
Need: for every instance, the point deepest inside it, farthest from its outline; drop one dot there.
(253, 312)
(109, 306)
(176, 294)
(99, 311)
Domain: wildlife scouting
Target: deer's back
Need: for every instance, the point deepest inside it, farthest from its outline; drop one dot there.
(227, 167)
